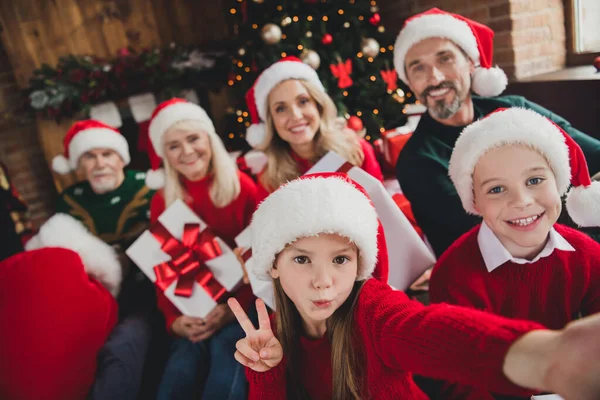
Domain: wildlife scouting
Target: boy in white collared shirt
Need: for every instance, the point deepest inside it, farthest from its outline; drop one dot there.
(511, 168)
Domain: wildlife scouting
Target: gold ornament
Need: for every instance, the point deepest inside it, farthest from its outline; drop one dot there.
(370, 47)
(286, 21)
(311, 58)
(242, 51)
(271, 34)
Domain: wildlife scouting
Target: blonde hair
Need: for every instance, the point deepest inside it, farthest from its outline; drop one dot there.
(281, 167)
(225, 186)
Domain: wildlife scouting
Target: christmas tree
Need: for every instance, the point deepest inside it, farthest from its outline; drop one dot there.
(342, 39)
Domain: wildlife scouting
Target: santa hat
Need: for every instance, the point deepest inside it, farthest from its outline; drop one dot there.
(521, 126)
(311, 205)
(474, 38)
(85, 136)
(167, 114)
(99, 259)
(256, 97)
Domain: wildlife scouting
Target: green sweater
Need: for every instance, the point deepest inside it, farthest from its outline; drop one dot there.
(422, 170)
(117, 217)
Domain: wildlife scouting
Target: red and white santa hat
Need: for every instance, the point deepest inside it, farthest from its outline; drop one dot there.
(87, 135)
(507, 126)
(256, 98)
(167, 114)
(476, 39)
(315, 204)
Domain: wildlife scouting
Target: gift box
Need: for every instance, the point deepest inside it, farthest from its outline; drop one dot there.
(194, 268)
(261, 288)
(394, 140)
(408, 254)
(251, 163)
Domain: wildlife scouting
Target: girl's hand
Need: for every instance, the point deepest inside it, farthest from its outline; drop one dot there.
(566, 362)
(259, 350)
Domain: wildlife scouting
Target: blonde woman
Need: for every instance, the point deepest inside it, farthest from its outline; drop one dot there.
(295, 124)
(198, 170)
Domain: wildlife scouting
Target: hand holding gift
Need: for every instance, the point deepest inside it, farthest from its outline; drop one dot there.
(194, 268)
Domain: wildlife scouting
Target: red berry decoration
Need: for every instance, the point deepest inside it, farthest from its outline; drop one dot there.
(355, 123)
(375, 19)
(597, 63)
(327, 39)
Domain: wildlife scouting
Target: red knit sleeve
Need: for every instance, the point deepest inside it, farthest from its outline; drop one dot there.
(157, 206)
(370, 163)
(590, 251)
(439, 341)
(270, 384)
(170, 312)
(251, 196)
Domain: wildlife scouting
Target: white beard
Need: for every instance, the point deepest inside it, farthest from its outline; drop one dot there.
(104, 185)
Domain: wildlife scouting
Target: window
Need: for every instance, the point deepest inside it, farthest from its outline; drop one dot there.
(583, 34)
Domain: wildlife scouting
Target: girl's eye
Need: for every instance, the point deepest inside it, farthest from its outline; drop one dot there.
(341, 260)
(534, 181)
(496, 189)
(301, 260)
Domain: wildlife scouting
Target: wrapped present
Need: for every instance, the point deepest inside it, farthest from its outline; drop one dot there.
(408, 254)
(261, 288)
(252, 162)
(194, 268)
(393, 140)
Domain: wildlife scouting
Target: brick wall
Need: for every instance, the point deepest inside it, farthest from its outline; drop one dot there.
(20, 149)
(530, 34)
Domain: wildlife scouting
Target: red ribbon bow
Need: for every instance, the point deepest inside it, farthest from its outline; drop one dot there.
(188, 258)
(342, 71)
(390, 77)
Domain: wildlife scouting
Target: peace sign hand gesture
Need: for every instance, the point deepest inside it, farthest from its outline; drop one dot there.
(259, 350)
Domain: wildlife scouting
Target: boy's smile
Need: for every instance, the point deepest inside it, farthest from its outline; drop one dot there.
(515, 192)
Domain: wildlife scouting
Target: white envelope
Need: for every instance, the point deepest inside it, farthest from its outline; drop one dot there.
(408, 254)
(146, 253)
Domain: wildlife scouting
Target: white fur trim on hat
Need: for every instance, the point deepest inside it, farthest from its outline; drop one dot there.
(155, 178)
(511, 126)
(99, 259)
(170, 115)
(277, 73)
(89, 139)
(255, 134)
(309, 207)
(489, 82)
(429, 26)
(583, 204)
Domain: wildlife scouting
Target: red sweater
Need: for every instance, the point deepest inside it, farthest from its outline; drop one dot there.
(226, 222)
(551, 291)
(401, 337)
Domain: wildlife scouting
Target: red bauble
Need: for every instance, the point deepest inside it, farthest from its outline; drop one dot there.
(375, 19)
(327, 39)
(597, 63)
(355, 123)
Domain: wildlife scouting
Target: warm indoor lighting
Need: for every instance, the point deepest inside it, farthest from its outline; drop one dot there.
(232, 11)
(372, 78)
(309, 18)
(375, 111)
(325, 18)
(341, 12)
(231, 136)
(359, 113)
(300, 47)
